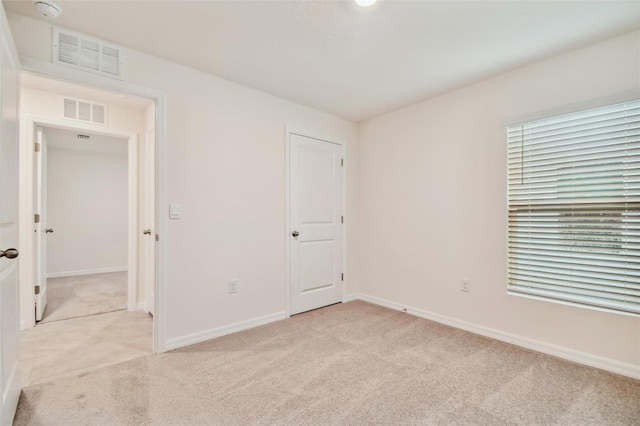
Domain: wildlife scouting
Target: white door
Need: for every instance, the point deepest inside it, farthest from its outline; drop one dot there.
(40, 225)
(315, 219)
(10, 383)
(149, 241)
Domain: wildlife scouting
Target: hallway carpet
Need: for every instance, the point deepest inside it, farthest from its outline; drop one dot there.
(84, 295)
(351, 364)
(69, 348)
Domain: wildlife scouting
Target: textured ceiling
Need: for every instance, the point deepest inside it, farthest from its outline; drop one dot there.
(351, 61)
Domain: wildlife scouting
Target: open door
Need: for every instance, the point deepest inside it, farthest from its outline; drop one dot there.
(41, 230)
(149, 240)
(10, 382)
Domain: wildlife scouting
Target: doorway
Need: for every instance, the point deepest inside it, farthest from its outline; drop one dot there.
(93, 233)
(81, 235)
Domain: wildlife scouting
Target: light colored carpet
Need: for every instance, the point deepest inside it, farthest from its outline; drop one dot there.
(351, 364)
(84, 295)
(63, 348)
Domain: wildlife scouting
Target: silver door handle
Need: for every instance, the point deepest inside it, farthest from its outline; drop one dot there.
(295, 233)
(147, 232)
(9, 253)
(48, 231)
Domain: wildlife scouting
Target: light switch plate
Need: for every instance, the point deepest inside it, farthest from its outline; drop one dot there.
(175, 211)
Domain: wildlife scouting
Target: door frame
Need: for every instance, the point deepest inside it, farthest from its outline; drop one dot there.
(287, 231)
(58, 72)
(31, 123)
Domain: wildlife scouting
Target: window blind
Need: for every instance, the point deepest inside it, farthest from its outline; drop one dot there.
(574, 208)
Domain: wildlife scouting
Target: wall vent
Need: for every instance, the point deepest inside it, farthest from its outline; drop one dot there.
(86, 53)
(77, 109)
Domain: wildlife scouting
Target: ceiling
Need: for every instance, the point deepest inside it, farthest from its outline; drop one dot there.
(351, 61)
(68, 139)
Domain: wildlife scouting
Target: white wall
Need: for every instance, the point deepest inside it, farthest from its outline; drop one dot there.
(225, 164)
(432, 197)
(87, 208)
(48, 104)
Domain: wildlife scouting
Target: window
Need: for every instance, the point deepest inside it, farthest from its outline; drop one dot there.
(574, 208)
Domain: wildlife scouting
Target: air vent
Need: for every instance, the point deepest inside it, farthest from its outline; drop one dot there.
(86, 53)
(87, 111)
(84, 137)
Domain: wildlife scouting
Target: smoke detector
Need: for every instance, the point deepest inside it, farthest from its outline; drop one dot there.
(48, 8)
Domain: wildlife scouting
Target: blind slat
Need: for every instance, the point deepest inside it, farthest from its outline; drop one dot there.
(613, 287)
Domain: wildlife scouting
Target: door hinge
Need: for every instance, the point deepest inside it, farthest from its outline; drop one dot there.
(37, 289)
(342, 162)
(36, 147)
(36, 218)
(341, 219)
(157, 237)
(342, 276)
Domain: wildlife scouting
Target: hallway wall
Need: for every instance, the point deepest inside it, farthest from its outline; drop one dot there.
(87, 208)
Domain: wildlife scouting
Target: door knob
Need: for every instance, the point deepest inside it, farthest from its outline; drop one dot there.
(48, 231)
(9, 253)
(147, 232)
(295, 233)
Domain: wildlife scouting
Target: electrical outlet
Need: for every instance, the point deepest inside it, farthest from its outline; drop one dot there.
(233, 286)
(465, 285)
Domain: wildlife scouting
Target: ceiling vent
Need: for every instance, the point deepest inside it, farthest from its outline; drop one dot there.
(86, 111)
(86, 53)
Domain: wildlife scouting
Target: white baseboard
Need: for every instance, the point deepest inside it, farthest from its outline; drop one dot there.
(11, 395)
(212, 333)
(622, 368)
(86, 272)
(351, 297)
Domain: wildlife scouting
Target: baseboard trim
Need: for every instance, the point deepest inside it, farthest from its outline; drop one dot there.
(11, 395)
(212, 333)
(351, 297)
(87, 272)
(607, 364)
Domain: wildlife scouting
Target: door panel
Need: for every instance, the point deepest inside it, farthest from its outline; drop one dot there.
(316, 264)
(315, 211)
(9, 342)
(40, 205)
(317, 182)
(149, 241)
